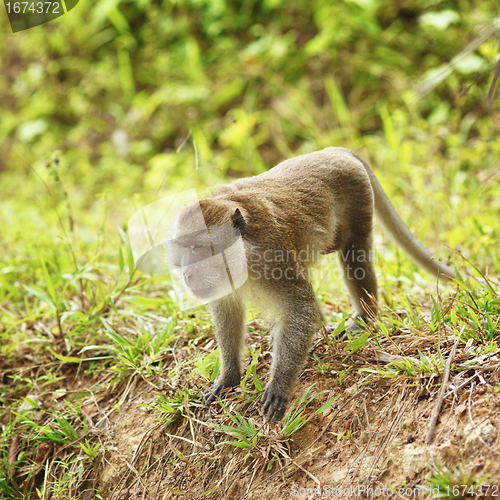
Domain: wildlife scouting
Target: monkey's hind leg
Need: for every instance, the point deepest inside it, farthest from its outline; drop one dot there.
(292, 336)
(229, 318)
(356, 259)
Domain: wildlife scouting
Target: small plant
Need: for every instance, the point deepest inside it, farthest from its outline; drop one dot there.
(357, 343)
(455, 484)
(348, 435)
(208, 366)
(252, 371)
(245, 431)
(8, 490)
(410, 367)
(321, 366)
(142, 354)
(343, 373)
(480, 306)
(55, 427)
(71, 471)
(173, 407)
(296, 418)
(91, 452)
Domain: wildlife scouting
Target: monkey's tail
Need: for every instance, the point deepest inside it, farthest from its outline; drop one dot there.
(400, 234)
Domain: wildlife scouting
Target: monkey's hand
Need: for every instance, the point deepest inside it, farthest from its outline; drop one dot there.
(216, 389)
(275, 403)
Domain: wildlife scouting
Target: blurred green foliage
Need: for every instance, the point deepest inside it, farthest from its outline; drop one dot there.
(254, 81)
(119, 102)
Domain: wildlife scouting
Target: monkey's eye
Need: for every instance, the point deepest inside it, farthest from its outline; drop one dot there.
(196, 247)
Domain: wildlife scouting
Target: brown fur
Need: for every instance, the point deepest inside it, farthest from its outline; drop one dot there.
(306, 206)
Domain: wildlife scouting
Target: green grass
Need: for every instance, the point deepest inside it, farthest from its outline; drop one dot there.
(199, 92)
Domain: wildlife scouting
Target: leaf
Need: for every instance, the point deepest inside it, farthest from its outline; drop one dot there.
(107, 327)
(130, 255)
(149, 302)
(228, 92)
(121, 261)
(439, 20)
(48, 281)
(339, 330)
(236, 443)
(338, 102)
(294, 425)
(67, 428)
(208, 363)
(256, 382)
(32, 403)
(326, 405)
(66, 359)
(29, 130)
(389, 131)
(40, 295)
(232, 431)
(471, 63)
(358, 342)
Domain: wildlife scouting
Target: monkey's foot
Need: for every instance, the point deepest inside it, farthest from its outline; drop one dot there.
(215, 390)
(276, 405)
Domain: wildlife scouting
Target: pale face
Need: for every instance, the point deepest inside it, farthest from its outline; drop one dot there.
(209, 262)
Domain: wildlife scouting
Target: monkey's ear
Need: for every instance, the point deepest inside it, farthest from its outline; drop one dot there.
(239, 221)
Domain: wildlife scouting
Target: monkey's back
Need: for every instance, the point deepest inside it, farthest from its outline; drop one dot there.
(303, 195)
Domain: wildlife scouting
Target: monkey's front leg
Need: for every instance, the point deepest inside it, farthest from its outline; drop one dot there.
(229, 318)
(291, 343)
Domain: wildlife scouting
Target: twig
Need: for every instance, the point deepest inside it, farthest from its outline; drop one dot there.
(437, 408)
(135, 457)
(491, 92)
(14, 448)
(449, 414)
(433, 81)
(366, 414)
(470, 379)
(386, 439)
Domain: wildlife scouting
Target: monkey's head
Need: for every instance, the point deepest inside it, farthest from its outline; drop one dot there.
(206, 252)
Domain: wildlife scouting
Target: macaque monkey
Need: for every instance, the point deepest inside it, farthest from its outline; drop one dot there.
(314, 204)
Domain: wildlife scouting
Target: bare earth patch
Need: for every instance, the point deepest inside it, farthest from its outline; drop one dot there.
(370, 440)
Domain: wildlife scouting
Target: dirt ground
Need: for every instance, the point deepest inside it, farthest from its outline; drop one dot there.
(371, 443)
